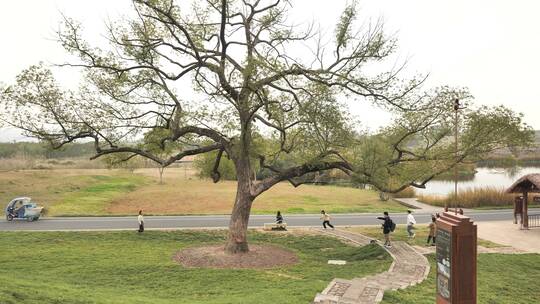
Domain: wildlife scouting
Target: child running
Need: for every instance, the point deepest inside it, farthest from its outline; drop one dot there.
(326, 219)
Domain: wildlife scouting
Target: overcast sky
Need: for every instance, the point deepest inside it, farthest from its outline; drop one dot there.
(492, 47)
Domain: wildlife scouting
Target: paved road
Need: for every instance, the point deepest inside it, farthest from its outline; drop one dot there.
(220, 221)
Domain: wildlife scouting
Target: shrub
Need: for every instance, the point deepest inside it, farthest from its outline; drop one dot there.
(41, 167)
(205, 163)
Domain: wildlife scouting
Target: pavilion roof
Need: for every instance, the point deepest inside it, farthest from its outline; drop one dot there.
(527, 183)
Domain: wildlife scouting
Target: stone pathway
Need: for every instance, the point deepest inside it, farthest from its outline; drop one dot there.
(409, 268)
(481, 249)
(355, 238)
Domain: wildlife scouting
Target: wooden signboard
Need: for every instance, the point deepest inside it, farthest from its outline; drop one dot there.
(456, 259)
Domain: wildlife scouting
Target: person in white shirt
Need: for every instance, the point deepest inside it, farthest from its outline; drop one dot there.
(326, 219)
(410, 224)
(140, 219)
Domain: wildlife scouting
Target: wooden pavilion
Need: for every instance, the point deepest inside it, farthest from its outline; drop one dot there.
(529, 183)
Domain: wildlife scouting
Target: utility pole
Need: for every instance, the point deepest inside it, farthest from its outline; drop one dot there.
(456, 121)
(456, 247)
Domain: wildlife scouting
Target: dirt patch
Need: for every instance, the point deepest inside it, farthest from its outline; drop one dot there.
(259, 256)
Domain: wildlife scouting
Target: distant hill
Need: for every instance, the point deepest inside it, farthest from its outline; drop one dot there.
(531, 153)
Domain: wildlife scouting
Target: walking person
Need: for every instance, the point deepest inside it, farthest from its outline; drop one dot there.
(388, 226)
(411, 221)
(432, 231)
(140, 219)
(326, 219)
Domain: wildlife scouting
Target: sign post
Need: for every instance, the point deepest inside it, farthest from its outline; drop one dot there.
(456, 259)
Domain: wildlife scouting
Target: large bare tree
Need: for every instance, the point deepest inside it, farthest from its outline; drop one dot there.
(214, 77)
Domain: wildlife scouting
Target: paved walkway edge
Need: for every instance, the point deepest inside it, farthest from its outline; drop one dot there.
(413, 203)
(408, 268)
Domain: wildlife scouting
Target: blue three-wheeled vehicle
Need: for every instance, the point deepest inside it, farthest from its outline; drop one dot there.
(23, 208)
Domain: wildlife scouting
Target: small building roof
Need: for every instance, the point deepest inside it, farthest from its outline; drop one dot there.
(527, 183)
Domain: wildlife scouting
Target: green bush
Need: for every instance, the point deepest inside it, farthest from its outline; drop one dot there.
(205, 164)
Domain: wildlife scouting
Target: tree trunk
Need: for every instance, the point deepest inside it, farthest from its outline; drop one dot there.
(237, 241)
(161, 169)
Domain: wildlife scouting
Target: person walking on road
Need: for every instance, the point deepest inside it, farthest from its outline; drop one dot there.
(432, 230)
(410, 224)
(140, 219)
(326, 219)
(388, 226)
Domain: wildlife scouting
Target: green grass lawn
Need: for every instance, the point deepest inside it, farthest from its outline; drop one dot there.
(94, 198)
(125, 267)
(400, 234)
(502, 279)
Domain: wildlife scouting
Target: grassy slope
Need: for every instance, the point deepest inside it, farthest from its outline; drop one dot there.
(69, 192)
(400, 234)
(124, 267)
(502, 279)
(102, 192)
(180, 196)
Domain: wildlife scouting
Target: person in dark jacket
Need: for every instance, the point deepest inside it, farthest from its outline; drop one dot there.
(279, 218)
(387, 229)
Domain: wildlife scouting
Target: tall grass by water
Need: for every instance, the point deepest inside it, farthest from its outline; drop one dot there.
(472, 198)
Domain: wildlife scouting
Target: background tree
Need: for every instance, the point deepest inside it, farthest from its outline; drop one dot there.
(124, 161)
(252, 72)
(205, 165)
(152, 142)
(419, 146)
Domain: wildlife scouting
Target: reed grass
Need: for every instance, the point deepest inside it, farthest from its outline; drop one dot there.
(472, 198)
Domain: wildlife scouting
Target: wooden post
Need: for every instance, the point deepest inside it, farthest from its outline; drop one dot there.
(456, 259)
(515, 210)
(525, 211)
(518, 210)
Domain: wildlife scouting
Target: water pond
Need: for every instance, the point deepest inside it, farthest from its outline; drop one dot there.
(484, 177)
